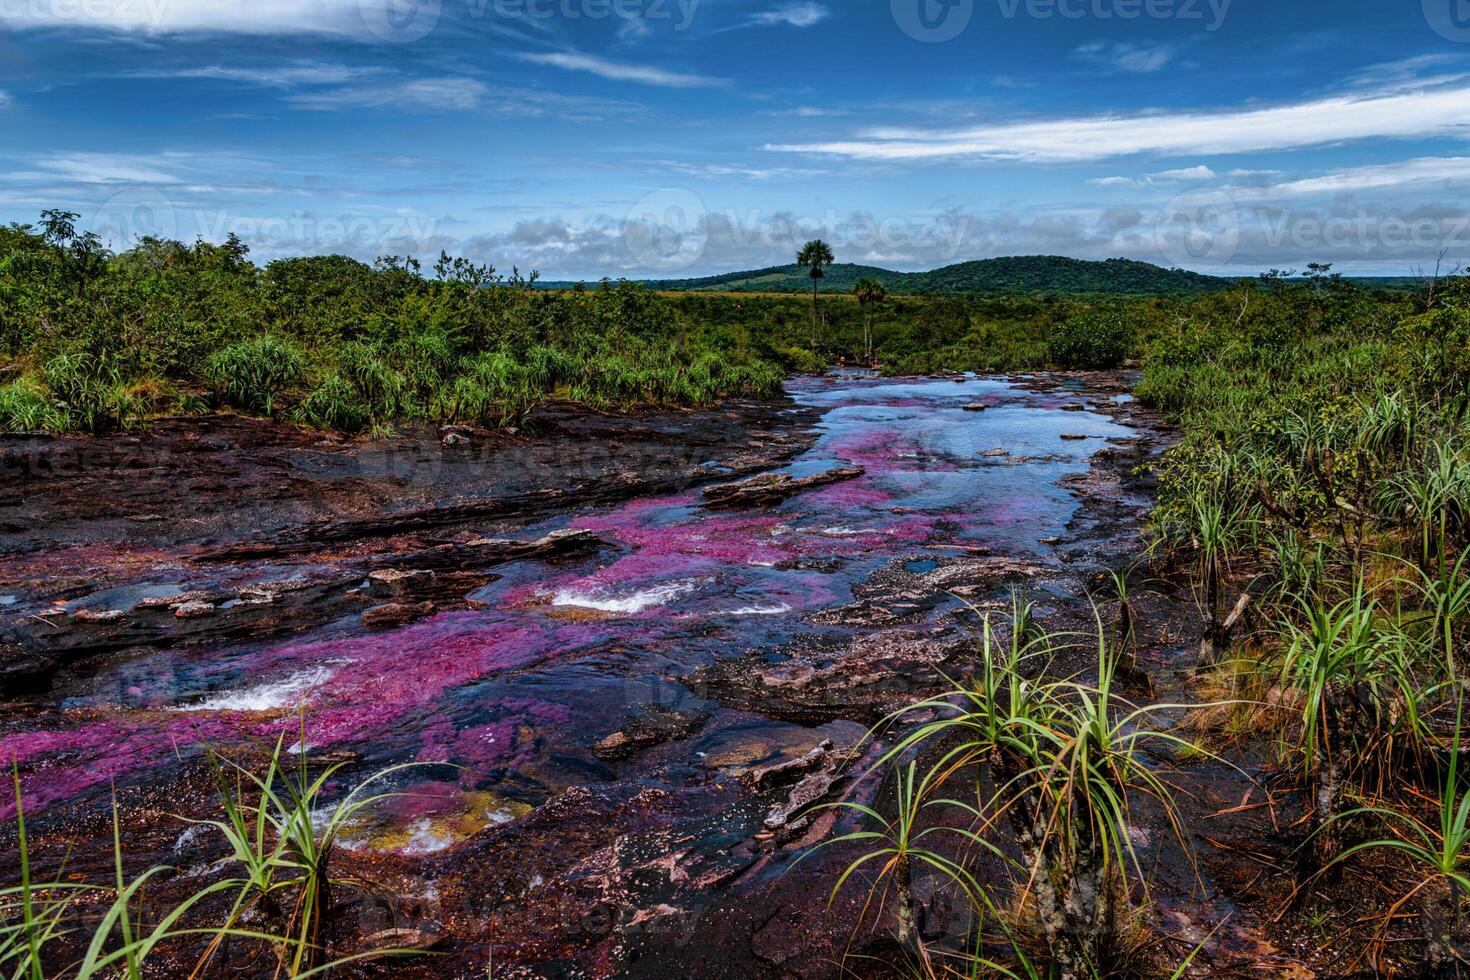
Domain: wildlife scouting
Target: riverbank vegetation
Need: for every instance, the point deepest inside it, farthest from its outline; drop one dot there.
(270, 907)
(95, 341)
(1317, 508)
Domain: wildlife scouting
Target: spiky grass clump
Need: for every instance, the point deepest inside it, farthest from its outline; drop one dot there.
(253, 374)
(25, 406)
(1060, 765)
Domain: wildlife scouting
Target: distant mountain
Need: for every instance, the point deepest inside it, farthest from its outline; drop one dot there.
(1021, 274)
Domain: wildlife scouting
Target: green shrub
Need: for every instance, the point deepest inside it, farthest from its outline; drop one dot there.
(252, 374)
(90, 393)
(25, 407)
(1091, 342)
(802, 361)
(335, 403)
(492, 389)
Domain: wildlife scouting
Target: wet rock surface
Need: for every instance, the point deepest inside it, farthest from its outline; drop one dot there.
(774, 488)
(629, 713)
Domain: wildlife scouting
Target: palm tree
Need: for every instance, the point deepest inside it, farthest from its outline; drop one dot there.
(813, 255)
(869, 292)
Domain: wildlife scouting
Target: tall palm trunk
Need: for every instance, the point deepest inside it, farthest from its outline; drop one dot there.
(816, 326)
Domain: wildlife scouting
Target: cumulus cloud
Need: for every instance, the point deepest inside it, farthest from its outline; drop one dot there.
(1200, 172)
(793, 15)
(1443, 111)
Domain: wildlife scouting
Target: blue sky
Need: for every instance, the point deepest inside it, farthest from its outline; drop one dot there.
(636, 138)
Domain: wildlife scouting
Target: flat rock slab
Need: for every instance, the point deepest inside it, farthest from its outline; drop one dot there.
(774, 488)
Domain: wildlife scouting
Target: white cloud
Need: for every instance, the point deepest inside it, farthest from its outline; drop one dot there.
(5, 99)
(1374, 115)
(1424, 170)
(282, 76)
(1123, 56)
(1163, 177)
(205, 16)
(619, 71)
(793, 15)
(1201, 172)
(415, 93)
(107, 168)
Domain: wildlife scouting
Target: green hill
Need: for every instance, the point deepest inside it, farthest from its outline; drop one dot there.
(1021, 274)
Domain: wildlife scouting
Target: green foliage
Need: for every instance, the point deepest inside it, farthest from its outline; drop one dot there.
(280, 831)
(90, 393)
(1091, 342)
(334, 342)
(335, 404)
(26, 407)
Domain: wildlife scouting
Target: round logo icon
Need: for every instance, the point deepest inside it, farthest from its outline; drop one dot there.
(665, 231)
(1450, 19)
(933, 21)
(1198, 229)
(400, 21)
(131, 215)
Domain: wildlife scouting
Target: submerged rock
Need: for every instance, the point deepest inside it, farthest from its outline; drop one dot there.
(655, 726)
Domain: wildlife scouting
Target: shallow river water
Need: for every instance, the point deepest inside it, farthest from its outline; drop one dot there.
(504, 704)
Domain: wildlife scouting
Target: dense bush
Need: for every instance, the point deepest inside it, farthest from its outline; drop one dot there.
(332, 341)
(1094, 341)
